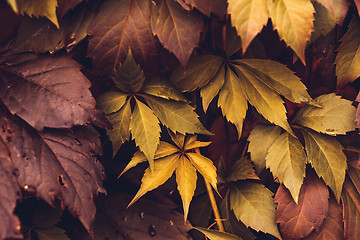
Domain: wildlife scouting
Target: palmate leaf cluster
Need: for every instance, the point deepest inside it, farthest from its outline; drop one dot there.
(256, 98)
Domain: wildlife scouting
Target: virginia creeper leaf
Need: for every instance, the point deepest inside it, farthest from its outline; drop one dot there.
(348, 57)
(249, 17)
(145, 129)
(205, 6)
(326, 156)
(216, 235)
(324, 21)
(328, 4)
(357, 3)
(232, 101)
(198, 73)
(253, 204)
(241, 170)
(176, 29)
(177, 138)
(160, 87)
(233, 41)
(111, 101)
(294, 22)
(66, 5)
(261, 138)
(186, 181)
(47, 91)
(195, 144)
(336, 116)
(118, 26)
(299, 220)
(357, 115)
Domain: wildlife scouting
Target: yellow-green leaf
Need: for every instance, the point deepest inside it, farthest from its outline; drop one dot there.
(198, 73)
(294, 22)
(178, 116)
(261, 138)
(249, 17)
(348, 58)
(186, 182)
(205, 167)
(111, 101)
(324, 21)
(120, 121)
(326, 156)
(286, 159)
(210, 90)
(145, 129)
(160, 87)
(216, 235)
(36, 8)
(232, 101)
(242, 170)
(266, 101)
(163, 170)
(335, 117)
(253, 205)
(129, 77)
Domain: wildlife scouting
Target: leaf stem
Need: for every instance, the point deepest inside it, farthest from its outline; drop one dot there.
(214, 206)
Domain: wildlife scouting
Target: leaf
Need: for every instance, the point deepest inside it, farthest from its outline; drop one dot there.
(205, 167)
(195, 144)
(111, 102)
(216, 235)
(120, 121)
(299, 220)
(177, 116)
(205, 6)
(200, 70)
(253, 204)
(357, 4)
(286, 159)
(261, 138)
(36, 8)
(357, 114)
(48, 91)
(266, 101)
(177, 30)
(324, 21)
(160, 87)
(129, 77)
(145, 129)
(186, 181)
(66, 5)
(177, 138)
(232, 101)
(328, 4)
(233, 41)
(351, 213)
(332, 228)
(326, 156)
(348, 57)
(249, 17)
(294, 22)
(336, 116)
(163, 170)
(40, 35)
(242, 170)
(120, 25)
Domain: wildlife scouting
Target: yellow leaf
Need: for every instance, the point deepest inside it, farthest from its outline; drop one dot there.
(111, 101)
(139, 157)
(177, 138)
(294, 22)
(249, 17)
(286, 159)
(217, 235)
(242, 170)
(326, 156)
(186, 182)
(145, 129)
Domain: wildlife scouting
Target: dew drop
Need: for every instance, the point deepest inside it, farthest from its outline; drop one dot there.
(152, 231)
(124, 218)
(304, 100)
(29, 190)
(141, 215)
(77, 141)
(171, 192)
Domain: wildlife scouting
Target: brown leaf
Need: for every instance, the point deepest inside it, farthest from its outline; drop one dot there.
(298, 221)
(205, 6)
(65, 5)
(357, 114)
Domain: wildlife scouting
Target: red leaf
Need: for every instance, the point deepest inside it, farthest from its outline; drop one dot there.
(120, 25)
(48, 91)
(357, 115)
(298, 221)
(55, 164)
(206, 6)
(177, 30)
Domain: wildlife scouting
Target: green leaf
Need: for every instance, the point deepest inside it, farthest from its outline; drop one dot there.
(145, 129)
(253, 204)
(205, 167)
(266, 101)
(326, 156)
(279, 78)
(163, 170)
(286, 159)
(111, 101)
(198, 73)
(249, 17)
(160, 87)
(242, 170)
(210, 90)
(120, 121)
(129, 77)
(178, 116)
(232, 101)
(348, 58)
(186, 181)
(294, 22)
(261, 138)
(216, 235)
(335, 117)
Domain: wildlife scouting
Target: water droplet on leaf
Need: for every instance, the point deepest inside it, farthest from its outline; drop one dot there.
(152, 231)
(141, 215)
